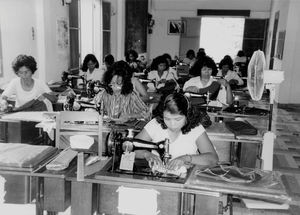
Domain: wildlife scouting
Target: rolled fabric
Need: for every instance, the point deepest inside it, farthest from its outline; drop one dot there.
(63, 160)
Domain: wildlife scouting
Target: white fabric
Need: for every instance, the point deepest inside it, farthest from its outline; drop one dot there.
(196, 82)
(221, 98)
(48, 104)
(81, 141)
(231, 75)
(22, 96)
(96, 75)
(184, 144)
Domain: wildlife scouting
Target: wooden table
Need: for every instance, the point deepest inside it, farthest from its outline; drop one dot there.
(173, 198)
(184, 196)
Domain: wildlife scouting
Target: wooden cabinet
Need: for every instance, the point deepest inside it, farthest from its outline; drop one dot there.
(19, 132)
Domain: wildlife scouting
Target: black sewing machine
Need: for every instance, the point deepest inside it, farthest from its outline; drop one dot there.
(141, 166)
(94, 87)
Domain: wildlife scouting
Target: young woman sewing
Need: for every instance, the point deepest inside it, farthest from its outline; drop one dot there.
(164, 77)
(31, 93)
(189, 143)
(219, 90)
(120, 101)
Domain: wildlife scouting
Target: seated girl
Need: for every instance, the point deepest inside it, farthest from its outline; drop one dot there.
(138, 87)
(90, 69)
(119, 101)
(189, 143)
(226, 67)
(131, 57)
(31, 93)
(218, 90)
(163, 76)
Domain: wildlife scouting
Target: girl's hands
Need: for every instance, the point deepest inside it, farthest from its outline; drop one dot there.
(177, 163)
(3, 105)
(153, 160)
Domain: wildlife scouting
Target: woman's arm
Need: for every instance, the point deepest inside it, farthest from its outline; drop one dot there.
(140, 89)
(239, 79)
(229, 96)
(208, 154)
(174, 73)
(50, 96)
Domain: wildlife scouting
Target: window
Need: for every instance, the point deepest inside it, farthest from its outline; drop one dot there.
(106, 28)
(221, 36)
(74, 37)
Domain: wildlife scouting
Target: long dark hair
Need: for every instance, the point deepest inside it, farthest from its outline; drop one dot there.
(227, 60)
(177, 103)
(89, 57)
(122, 69)
(204, 61)
(158, 60)
(131, 52)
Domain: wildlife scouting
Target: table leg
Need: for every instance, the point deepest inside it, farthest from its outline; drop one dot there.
(39, 205)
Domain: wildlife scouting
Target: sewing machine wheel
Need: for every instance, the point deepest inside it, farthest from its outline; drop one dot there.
(109, 143)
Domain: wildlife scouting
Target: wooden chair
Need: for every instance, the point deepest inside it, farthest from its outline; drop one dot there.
(78, 122)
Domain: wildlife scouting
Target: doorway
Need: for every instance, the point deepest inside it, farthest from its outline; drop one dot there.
(221, 36)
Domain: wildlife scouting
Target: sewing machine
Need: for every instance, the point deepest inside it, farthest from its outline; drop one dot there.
(141, 167)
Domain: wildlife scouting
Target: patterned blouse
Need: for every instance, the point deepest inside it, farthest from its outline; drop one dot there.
(118, 105)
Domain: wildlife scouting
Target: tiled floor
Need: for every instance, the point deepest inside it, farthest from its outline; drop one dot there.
(286, 124)
(286, 159)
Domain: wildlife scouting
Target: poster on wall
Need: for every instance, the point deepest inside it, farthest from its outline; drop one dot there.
(62, 35)
(176, 27)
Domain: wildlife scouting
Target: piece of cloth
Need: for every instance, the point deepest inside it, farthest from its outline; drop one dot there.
(184, 144)
(63, 160)
(23, 155)
(32, 105)
(22, 96)
(231, 174)
(241, 127)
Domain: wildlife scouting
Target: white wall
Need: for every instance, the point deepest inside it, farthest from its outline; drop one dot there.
(29, 27)
(289, 18)
(57, 59)
(17, 20)
(163, 10)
